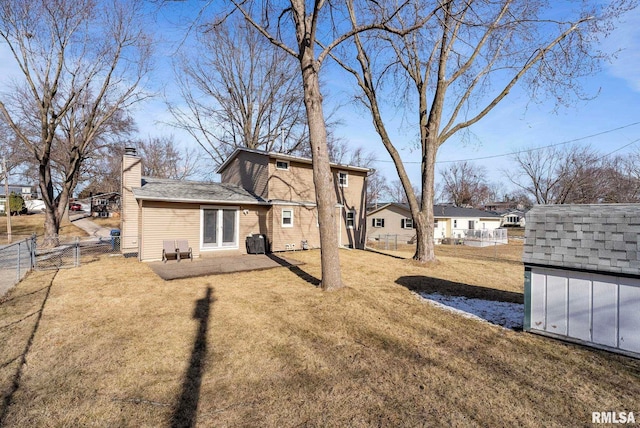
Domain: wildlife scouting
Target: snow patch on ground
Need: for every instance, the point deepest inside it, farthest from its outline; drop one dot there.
(505, 314)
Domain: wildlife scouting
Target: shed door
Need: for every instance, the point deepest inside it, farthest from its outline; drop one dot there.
(605, 309)
(557, 304)
(629, 332)
(580, 307)
(538, 300)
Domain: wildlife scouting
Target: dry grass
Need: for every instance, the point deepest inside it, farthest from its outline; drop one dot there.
(24, 226)
(117, 346)
(110, 222)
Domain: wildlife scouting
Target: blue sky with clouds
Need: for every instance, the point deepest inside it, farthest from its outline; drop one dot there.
(514, 124)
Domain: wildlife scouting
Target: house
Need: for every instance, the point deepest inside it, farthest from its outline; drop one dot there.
(269, 194)
(582, 274)
(513, 218)
(449, 222)
(105, 204)
(27, 192)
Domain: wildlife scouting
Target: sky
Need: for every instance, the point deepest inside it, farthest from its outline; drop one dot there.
(514, 124)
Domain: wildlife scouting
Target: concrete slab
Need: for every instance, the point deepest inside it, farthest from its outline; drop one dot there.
(219, 265)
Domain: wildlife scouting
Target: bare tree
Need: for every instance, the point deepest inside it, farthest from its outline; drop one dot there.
(462, 63)
(553, 175)
(82, 64)
(309, 32)
(239, 90)
(465, 184)
(377, 189)
(163, 158)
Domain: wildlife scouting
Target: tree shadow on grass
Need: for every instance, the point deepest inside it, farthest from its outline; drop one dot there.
(186, 411)
(15, 383)
(503, 308)
(295, 269)
(456, 289)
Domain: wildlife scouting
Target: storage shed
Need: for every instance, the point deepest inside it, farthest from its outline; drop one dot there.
(582, 274)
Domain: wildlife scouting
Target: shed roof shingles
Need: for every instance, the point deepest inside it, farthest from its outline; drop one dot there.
(193, 191)
(602, 238)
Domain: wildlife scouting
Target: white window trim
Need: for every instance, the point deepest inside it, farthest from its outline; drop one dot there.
(282, 161)
(282, 217)
(346, 179)
(235, 245)
(377, 222)
(346, 222)
(407, 219)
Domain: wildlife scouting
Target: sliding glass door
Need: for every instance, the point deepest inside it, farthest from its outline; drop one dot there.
(219, 227)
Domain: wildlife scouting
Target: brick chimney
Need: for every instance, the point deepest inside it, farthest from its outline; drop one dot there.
(131, 179)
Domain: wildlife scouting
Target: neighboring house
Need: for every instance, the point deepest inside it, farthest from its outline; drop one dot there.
(503, 206)
(449, 222)
(513, 218)
(105, 204)
(263, 193)
(26, 191)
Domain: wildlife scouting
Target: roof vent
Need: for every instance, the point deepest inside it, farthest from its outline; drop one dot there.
(131, 151)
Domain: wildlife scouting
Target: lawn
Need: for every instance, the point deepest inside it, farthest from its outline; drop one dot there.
(114, 345)
(23, 226)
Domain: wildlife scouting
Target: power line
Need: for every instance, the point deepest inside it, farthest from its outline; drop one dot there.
(536, 148)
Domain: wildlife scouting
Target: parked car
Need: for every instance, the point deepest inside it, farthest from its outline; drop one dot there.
(75, 207)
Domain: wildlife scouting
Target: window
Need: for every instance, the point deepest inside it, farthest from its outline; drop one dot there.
(343, 179)
(219, 227)
(280, 164)
(455, 223)
(407, 223)
(287, 218)
(435, 223)
(471, 225)
(351, 219)
(378, 222)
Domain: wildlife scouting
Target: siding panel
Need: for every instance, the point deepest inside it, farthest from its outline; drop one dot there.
(630, 315)
(165, 220)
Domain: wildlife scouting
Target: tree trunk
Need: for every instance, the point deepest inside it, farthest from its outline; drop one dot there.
(424, 221)
(322, 176)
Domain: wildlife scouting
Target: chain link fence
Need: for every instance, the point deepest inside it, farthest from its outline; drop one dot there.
(16, 260)
(20, 257)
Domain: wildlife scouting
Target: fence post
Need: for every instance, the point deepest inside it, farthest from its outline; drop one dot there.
(18, 264)
(396, 246)
(77, 252)
(33, 251)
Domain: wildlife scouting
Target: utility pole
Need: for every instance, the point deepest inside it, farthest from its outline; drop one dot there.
(7, 206)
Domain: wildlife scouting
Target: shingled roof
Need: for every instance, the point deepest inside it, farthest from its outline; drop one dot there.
(602, 238)
(156, 189)
(442, 211)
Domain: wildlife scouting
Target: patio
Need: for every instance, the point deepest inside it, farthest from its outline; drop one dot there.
(219, 265)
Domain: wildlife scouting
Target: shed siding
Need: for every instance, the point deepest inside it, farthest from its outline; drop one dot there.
(596, 249)
(605, 313)
(538, 300)
(556, 305)
(593, 308)
(579, 322)
(629, 319)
